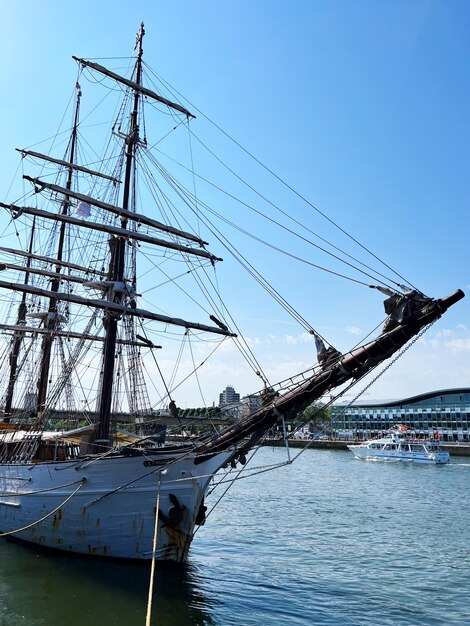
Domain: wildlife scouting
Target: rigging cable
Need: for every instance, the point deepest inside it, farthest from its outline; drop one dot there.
(255, 274)
(285, 214)
(281, 180)
(275, 222)
(244, 349)
(193, 174)
(185, 196)
(288, 216)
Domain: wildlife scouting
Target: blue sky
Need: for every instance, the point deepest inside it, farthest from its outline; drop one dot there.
(362, 106)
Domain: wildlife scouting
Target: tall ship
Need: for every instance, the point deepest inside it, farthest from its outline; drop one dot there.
(87, 465)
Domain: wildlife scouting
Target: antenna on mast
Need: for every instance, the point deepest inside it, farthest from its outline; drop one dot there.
(138, 38)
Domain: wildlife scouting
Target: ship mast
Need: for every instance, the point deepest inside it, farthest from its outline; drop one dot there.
(113, 301)
(117, 264)
(17, 339)
(52, 315)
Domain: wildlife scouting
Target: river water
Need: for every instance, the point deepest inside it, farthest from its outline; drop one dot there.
(327, 540)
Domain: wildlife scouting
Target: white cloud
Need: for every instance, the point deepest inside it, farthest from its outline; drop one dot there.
(439, 360)
(451, 340)
(354, 330)
(297, 339)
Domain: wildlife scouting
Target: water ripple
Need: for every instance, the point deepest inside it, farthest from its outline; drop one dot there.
(327, 541)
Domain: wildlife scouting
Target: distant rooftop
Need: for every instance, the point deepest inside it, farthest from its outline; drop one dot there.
(408, 400)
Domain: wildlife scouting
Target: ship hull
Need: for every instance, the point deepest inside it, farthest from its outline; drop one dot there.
(106, 506)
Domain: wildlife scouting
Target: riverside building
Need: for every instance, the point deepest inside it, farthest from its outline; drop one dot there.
(228, 396)
(446, 412)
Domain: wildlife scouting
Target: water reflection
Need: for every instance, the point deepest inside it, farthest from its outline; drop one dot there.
(330, 541)
(40, 588)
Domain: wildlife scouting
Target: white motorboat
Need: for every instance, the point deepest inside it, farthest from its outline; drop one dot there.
(398, 445)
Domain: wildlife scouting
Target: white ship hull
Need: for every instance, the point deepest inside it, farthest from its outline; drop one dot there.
(112, 513)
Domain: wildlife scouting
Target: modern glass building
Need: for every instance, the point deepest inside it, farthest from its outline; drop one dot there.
(446, 412)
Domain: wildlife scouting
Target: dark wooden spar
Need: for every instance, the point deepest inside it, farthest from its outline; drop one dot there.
(347, 367)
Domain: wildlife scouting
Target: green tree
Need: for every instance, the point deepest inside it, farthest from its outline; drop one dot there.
(317, 413)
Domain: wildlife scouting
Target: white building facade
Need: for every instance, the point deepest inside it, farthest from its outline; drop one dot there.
(446, 412)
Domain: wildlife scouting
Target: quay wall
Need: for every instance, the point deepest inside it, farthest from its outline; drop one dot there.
(454, 449)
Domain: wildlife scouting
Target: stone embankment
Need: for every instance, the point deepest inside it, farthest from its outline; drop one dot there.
(454, 449)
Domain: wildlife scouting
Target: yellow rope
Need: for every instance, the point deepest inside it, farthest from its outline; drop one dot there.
(152, 569)
(18, 530)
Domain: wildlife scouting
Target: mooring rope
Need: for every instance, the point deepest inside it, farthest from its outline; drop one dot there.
(4, 494)
(41, 519)
(259, 469)
(154, 550)
(28, 480)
